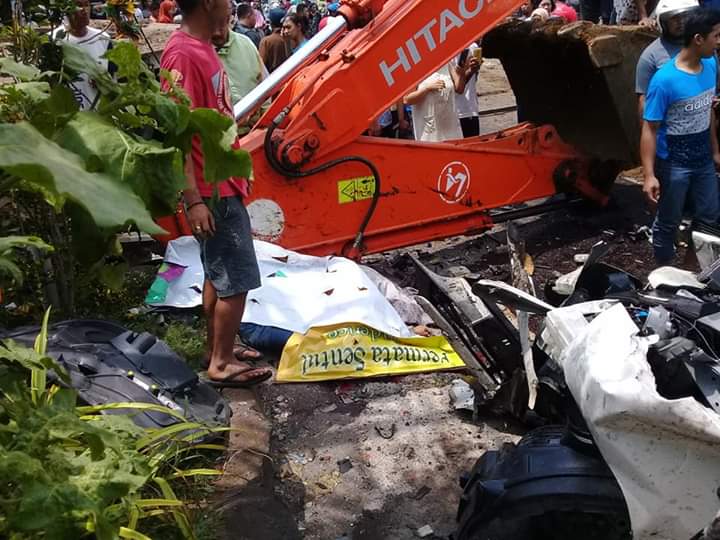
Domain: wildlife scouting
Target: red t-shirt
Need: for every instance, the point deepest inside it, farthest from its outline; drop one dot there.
(196, 68)
(565, 11)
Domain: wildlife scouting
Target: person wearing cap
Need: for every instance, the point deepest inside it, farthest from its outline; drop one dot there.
(671, 16)
(539, 14)
(331, 12)
(274, 49)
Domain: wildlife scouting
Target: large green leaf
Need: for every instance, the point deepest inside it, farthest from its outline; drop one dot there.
(38, 376)
(61, 175)
(24, 356)
(218, 133)
(36, 91)
(53, 113)
(10, 242)
(89, 243)
(9, 268)
(172, 117)
(7, 244)
(153, 172)
(78, 61)
(127, 59)
(22, 72)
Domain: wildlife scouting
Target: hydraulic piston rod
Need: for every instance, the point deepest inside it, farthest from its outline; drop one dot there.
(270, 86)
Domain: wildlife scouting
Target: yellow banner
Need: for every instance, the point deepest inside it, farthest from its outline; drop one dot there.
(352, 351)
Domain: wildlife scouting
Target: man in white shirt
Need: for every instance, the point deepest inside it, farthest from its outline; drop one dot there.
(92, 41)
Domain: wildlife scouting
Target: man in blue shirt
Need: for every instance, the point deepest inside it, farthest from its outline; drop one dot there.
(678, 148)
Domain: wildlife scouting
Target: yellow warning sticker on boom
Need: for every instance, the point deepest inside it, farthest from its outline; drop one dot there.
(356, 189)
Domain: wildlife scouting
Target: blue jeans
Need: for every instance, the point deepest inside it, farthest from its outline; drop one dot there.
(699, 186)
(267, 339)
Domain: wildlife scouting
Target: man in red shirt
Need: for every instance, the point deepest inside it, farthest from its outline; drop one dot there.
(223, 227)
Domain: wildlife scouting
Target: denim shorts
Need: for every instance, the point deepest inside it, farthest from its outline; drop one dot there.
(228, 256)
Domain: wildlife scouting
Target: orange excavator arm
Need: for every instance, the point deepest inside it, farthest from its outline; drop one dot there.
(371, 68)
(323, 188)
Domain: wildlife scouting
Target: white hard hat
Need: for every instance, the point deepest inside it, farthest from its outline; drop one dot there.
(673, 7)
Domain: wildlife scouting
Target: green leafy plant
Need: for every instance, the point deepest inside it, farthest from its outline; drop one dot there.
(101, 172)
(8, 245)
(70, 472)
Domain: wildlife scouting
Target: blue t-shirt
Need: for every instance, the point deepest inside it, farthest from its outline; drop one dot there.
(711, 4)
(682, 102)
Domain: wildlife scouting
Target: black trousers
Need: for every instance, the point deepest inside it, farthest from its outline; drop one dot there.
(470, 126)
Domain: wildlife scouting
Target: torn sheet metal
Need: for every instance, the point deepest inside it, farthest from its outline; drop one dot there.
(524, 303)
(565, 284)
(707, 248)
(664, 453)
(526, 350)
(669, 276)
(509, 296)
(479, 331)
(298, 291)
(488, 384)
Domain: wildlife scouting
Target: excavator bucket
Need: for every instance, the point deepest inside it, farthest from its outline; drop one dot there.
(579, 78)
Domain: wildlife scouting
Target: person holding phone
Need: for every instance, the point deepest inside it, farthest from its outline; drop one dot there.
(466, 102)
(434, 110)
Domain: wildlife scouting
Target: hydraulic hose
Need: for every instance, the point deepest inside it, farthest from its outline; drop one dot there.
(280, 168)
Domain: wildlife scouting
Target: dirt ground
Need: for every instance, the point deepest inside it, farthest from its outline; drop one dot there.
(381, 459)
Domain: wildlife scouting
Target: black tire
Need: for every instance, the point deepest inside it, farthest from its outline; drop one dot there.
(543, 488)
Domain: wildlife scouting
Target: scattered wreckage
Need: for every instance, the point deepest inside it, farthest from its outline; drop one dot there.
(623, 382)
(620, 385)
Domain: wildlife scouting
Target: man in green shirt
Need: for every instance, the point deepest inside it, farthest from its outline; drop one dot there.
(241, 59)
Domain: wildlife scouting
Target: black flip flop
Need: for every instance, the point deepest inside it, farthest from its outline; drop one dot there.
(242, 348)
(230, 382)
(205, 361)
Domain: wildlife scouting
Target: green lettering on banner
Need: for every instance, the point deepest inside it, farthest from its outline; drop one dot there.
(336, 357)
(359, 355)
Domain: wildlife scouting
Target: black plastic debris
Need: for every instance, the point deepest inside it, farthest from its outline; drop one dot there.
(109, 364)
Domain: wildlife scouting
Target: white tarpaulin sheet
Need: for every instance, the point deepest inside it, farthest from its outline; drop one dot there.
(664, 453)
(298, 291)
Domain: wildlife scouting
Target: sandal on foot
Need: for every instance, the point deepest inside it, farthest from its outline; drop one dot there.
(231, 380)
(239, 353)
